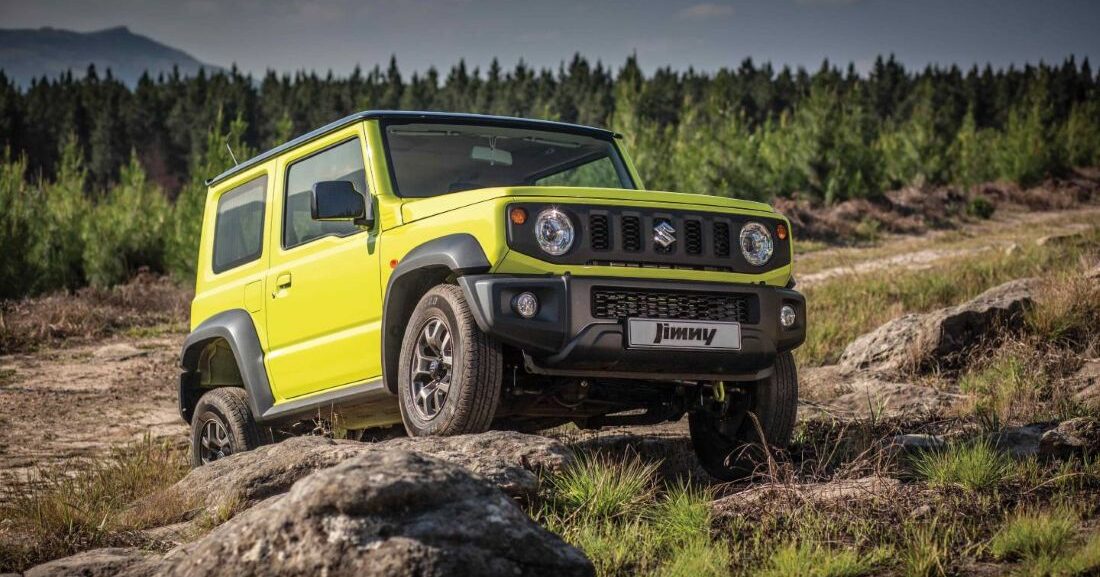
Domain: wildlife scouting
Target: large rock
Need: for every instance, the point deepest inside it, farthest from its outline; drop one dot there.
(111, 562)
(1079, 436)
(510, 460)
(381, 513)
(941, 337)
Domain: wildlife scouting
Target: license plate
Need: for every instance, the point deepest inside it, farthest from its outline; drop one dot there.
(673, 334)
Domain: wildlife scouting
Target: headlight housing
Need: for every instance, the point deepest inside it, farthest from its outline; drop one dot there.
(554, 231)
(756, 243)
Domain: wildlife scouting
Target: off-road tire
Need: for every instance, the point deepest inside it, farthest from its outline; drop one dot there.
(476, 369)
(228, 407)
(774, 402)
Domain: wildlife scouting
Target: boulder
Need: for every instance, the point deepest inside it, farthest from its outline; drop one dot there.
(510, 460)
(918, 442)
(1079, 436)
(1022, 441)
(387, 512)
(110, 562)
(938, 338)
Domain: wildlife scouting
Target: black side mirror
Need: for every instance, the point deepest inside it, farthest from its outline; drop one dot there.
(338, 200)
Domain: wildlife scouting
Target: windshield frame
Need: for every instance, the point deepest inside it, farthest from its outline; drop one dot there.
(616, 155)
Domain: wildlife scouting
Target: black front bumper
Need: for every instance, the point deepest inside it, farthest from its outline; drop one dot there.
(565, 338)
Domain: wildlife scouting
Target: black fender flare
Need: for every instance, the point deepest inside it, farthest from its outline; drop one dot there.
(236, 328)
(428, 264)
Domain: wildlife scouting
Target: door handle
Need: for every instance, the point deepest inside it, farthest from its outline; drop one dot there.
(282, 282)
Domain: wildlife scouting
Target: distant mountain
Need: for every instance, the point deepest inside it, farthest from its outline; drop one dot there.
(27, 54)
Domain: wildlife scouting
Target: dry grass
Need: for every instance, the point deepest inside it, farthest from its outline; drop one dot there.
(146, 305)
(63, 511)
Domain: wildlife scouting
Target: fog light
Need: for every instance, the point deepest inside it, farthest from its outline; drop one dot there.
(787, 316)
(526, 305)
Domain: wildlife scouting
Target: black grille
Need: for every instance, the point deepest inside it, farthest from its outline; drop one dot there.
(632, 234)
(721, 239)
(598, 232)
(620, 304)
(693, 237)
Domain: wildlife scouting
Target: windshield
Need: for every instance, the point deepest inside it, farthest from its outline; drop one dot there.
(430, 159)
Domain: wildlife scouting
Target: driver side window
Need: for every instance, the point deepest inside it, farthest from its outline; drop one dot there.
(343, 161)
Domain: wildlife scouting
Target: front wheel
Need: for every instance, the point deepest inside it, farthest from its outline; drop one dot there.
(727, 441)
(450, 372)
(222, 425)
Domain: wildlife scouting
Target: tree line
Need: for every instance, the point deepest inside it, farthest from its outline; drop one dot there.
(80, 154)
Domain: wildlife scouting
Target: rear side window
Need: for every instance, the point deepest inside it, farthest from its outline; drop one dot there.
(239, 225)
(341, 162)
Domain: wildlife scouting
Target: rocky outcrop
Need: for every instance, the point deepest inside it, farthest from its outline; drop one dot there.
(111, 562)
(386, 512)
(512, 461)
(1086, 384)
(1079, 436)
(941, 337)
(314, 506)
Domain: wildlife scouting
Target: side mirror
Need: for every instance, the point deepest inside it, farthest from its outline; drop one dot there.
(338, 200)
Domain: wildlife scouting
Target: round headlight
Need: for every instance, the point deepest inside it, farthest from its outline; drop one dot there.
(554, 231)
(756, 243)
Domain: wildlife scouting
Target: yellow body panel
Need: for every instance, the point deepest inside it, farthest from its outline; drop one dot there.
(323, 330)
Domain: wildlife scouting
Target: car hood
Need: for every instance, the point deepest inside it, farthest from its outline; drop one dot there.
(416, 209)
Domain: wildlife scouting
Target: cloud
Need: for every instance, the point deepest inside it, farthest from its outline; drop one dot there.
(705, 11)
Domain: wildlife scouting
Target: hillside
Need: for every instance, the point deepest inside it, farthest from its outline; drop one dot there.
(27, 54)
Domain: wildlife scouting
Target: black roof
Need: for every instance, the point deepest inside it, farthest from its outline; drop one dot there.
(507, 121)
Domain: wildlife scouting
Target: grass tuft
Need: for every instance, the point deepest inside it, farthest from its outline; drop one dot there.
(1033, 535)
(600, 488)
(976, 466)
(811, 560)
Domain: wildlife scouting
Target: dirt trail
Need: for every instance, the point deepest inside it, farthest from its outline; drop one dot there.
(59, 405)
(925, 251)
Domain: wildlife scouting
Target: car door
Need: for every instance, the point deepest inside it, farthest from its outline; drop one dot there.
(325, 313)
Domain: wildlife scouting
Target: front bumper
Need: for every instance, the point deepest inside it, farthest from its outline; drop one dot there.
(565, 338)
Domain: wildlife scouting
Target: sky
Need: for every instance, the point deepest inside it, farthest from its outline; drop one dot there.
(290, 35)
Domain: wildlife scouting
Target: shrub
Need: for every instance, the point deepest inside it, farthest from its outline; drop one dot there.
(980, 207)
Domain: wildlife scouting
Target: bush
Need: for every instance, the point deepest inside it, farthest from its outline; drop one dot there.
(980, 207)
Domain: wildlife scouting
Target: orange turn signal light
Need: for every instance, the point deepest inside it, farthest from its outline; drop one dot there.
(518, 214)
(781, 231)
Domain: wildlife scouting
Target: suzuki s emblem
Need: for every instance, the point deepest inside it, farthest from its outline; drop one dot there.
(664, 234)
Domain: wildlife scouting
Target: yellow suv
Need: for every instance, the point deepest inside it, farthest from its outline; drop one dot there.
(457, 272)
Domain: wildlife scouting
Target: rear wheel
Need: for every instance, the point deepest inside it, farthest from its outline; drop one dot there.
(222, 425)
(726, 439)
(450, 372)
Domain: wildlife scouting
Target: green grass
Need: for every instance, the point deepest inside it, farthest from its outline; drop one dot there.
(1032, 535)
(64, 511)
(811, 560)
(927, 550)
(975, 466)
(599, 488)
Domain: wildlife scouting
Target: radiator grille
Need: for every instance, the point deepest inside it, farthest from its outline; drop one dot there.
(598, 232)
(632, 234)
(621, 304)
(721, 239)
(693, 237)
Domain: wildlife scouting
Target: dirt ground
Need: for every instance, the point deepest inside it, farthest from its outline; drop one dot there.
(64, 403)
